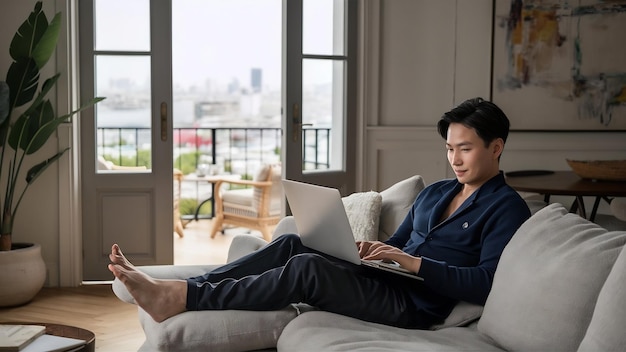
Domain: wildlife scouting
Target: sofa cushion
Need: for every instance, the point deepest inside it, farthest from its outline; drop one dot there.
(285, 225)
(548, 280)
(397, 201)
(324, 331)
(241, 197)
(226, 330)
(618, 208)
(606, 330)
(463, 314)
(363, 210)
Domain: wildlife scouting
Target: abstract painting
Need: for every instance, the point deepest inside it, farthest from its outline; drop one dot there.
(560, 65)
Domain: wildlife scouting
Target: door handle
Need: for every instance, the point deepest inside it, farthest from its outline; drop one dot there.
(297, 123)
(164, 121)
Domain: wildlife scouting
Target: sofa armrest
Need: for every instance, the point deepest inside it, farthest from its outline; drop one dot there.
(285, 225)
(243, 245)
(162, 272)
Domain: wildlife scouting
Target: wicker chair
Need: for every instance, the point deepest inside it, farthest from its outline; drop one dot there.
(258, 207)
(178, 223)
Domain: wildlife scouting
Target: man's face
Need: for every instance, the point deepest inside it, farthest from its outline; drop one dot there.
(472, 162)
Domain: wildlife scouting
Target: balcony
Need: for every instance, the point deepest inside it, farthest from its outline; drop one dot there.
(236, 150)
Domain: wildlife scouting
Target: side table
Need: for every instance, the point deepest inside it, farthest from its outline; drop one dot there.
(211, 179)
(67, 331)
(566, 183)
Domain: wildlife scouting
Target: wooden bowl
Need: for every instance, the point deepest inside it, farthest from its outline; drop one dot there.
(609, 170)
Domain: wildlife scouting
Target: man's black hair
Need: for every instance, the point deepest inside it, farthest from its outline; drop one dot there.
(485, 117)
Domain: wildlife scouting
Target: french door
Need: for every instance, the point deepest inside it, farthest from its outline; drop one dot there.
(126, 56)
(319, 108)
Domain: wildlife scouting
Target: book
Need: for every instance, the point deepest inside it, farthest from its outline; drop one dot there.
(51, 343)
(16, 337)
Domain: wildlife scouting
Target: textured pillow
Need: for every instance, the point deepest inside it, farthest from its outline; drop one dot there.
(548, 280)
(222, 330)
(363, 210)
(606, 330)
(397, 201)
(276, 194)
(262, 175)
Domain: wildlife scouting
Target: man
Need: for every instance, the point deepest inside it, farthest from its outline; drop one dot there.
(452, 237)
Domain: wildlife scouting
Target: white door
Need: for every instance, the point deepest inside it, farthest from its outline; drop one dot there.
(126, 57)
(319, 82)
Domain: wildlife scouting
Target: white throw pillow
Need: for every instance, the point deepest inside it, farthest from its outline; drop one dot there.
(363, 210)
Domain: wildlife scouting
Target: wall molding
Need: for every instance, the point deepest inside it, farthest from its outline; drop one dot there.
(395, 153)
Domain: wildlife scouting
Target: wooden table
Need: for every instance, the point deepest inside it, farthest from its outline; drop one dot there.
(207, 179)
(567, 183)
(67, 331)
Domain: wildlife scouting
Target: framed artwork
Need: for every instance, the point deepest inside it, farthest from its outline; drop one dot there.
(560, 65)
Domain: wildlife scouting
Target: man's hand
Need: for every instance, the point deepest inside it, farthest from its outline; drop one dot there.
(376, 250)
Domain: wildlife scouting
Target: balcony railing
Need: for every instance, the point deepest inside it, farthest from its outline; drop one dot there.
(237, 149)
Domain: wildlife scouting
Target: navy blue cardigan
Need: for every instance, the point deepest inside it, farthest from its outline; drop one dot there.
(460, 254)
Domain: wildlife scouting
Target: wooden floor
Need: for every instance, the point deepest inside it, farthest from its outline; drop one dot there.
(94, 306)
(198, 248)
(91, 307)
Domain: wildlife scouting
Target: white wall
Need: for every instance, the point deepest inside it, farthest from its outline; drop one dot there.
(419, 59)
(427, 56)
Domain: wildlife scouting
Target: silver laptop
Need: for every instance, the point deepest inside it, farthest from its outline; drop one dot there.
(323, 224)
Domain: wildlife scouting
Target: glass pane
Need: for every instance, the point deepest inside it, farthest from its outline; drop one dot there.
(323, 114)
(122, 25)
(323, 27)
(123, 118)
(227, 79)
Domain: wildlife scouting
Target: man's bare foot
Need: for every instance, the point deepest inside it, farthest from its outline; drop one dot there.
(161, 299)
(117, 257)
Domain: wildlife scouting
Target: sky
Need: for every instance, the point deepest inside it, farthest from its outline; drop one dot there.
(223, 39)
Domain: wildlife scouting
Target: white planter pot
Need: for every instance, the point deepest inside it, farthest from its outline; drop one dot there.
(22, 274)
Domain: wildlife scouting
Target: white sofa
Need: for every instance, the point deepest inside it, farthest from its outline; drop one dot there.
(560, 286)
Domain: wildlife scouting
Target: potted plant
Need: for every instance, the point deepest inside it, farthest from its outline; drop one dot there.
(27, 120)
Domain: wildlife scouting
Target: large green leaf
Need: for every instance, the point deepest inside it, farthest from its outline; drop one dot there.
(18, 132)
(4, 131)
(4, 102)
(5, 110)
(41, 128)
(32, 131)
(37, 126)
(45, 88)
(48, 42)
(32, 46)
(23, 79)
(38, 169)
(40, 138)
(29, 33)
